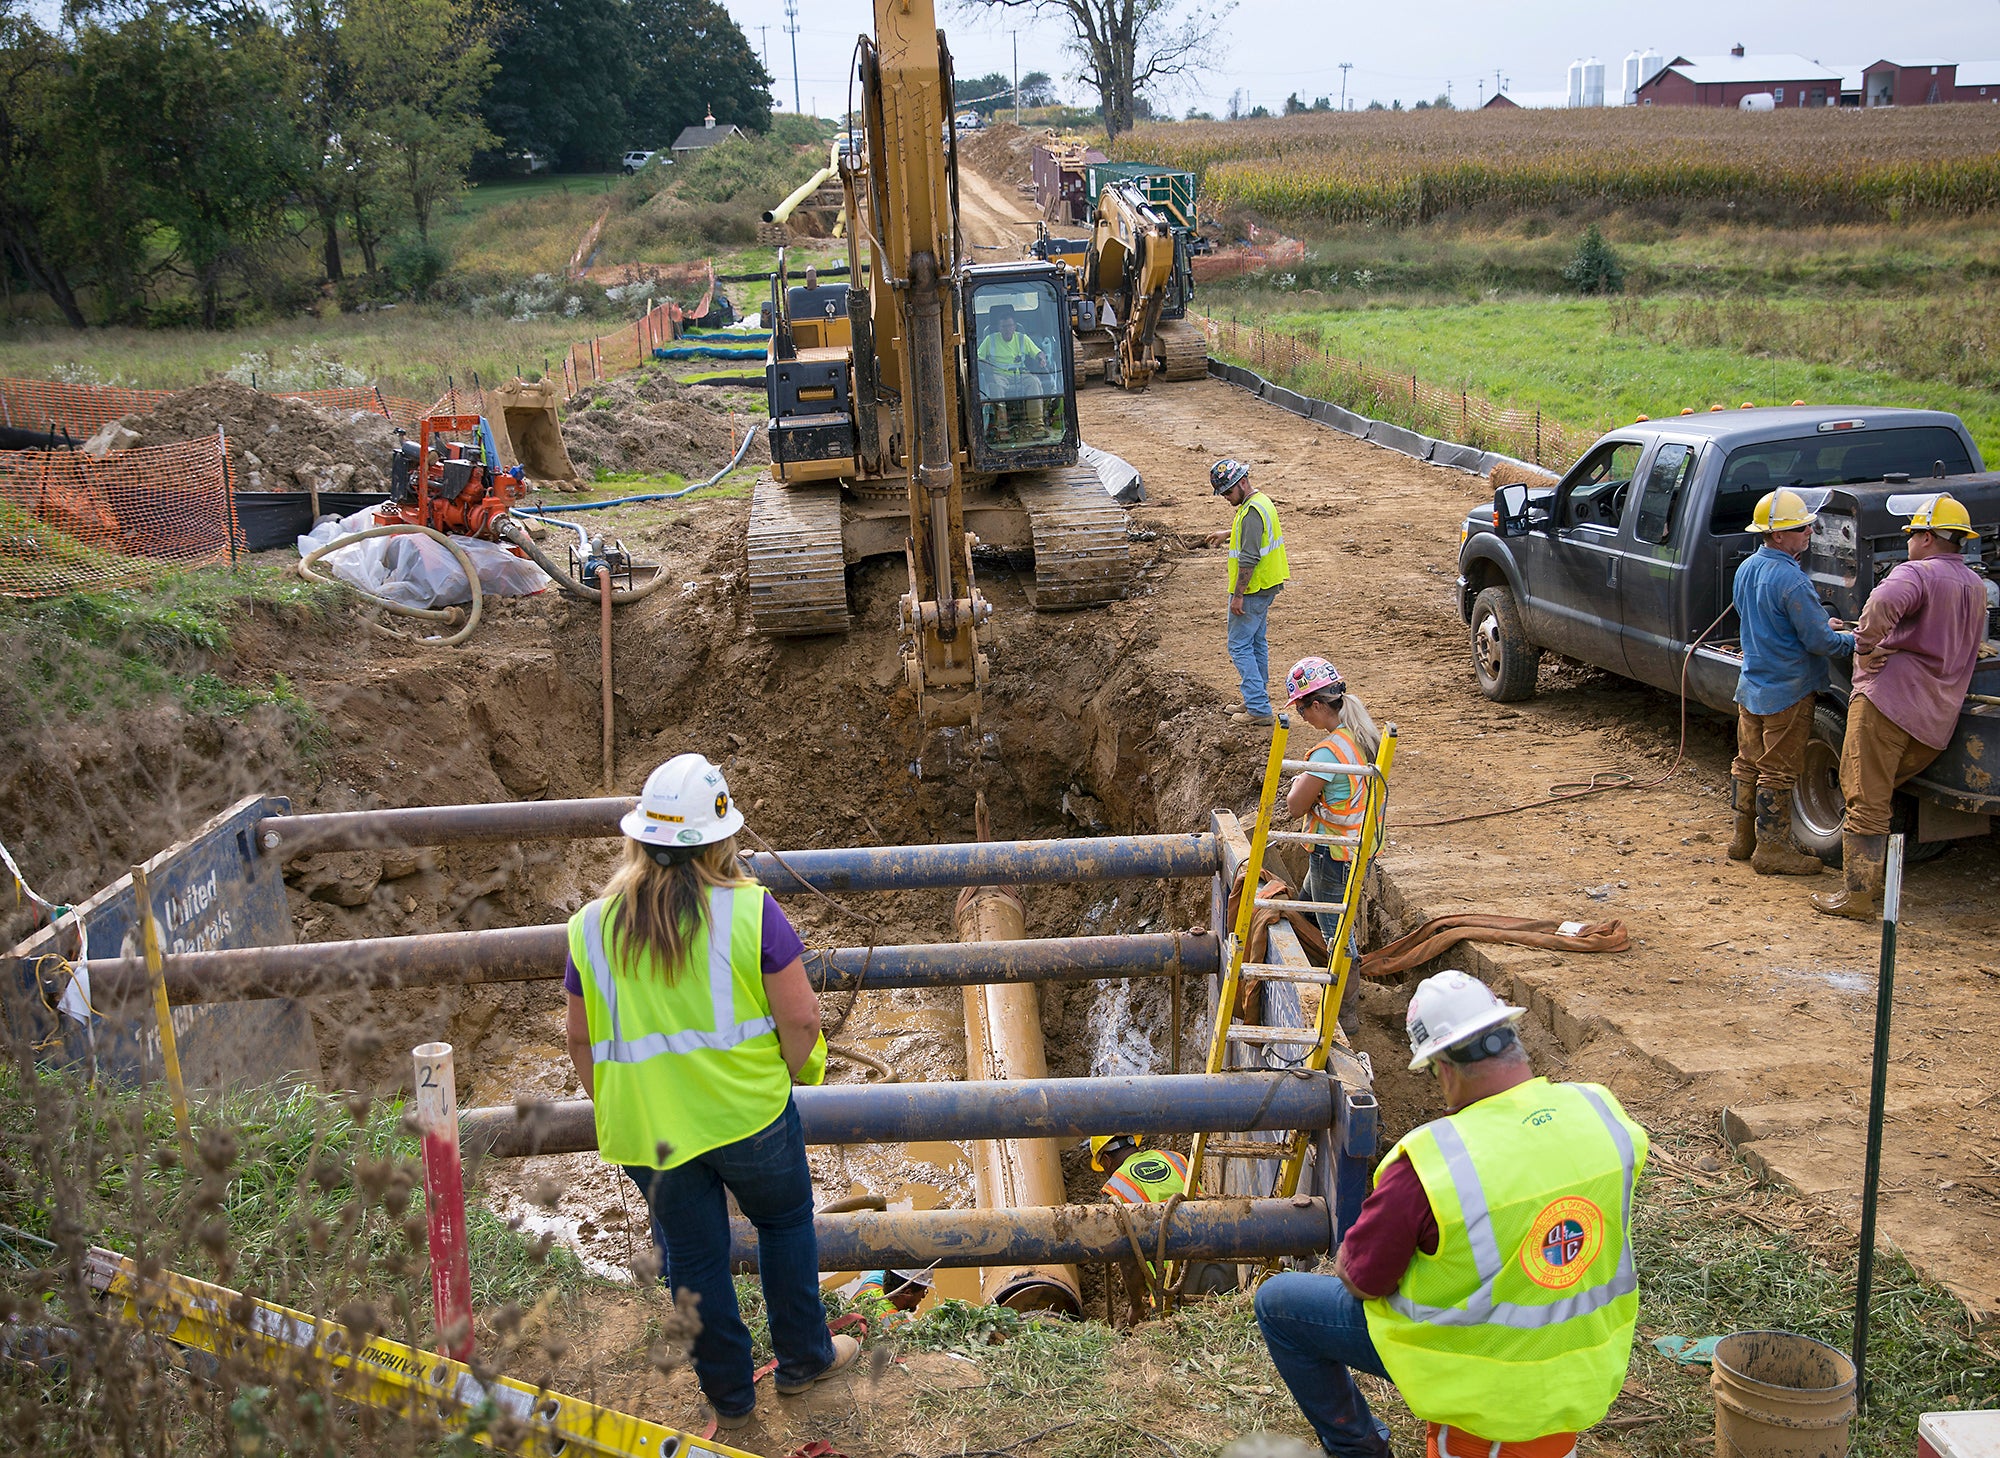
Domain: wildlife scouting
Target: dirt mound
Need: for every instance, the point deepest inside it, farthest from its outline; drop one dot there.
(1002, 151)
(650, 423)
(276, 444)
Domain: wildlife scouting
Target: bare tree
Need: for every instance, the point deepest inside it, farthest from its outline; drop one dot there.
(1124, 46)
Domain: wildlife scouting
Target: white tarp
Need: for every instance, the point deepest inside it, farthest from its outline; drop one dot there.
(1122, 481)
(415, 571)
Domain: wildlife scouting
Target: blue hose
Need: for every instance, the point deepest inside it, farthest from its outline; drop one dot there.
(734, 461)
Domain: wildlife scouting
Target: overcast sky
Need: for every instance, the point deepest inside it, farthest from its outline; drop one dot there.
(1271, 48)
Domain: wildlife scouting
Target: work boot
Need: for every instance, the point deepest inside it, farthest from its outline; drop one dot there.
(1775, 854)
(1743, 800)
(1861, 858)
(845, 1350)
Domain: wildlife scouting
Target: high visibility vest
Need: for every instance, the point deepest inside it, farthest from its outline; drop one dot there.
(1271, 568)
(1521, 1324)
(1010, 356)
(1150, 1177)
(684, 1066)
(1336, 812)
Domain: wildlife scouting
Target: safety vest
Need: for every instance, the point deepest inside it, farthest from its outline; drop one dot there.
(1271, 568)
(1008, 355)
(1150, 1177)
(684, 1066)
(1521, 1324)
(1336, 812)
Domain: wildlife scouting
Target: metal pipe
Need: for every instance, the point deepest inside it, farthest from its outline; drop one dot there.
(1049, 1108)
(1058, 1237)
(604, 667)
(863, 868)
(1878, 1092)
(536, 953)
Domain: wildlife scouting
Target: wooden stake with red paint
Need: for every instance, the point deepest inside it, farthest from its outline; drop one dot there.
(444, 1199)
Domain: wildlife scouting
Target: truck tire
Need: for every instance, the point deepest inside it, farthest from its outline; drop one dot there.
(1503, 659)
(1818, 807)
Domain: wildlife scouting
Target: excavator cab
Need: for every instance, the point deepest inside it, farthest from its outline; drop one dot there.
(1022, 395)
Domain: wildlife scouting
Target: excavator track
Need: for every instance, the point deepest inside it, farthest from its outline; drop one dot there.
(1081, 555)
(798, 570)
(1184, 350)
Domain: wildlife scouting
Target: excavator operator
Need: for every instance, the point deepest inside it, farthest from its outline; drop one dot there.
(1010, 362)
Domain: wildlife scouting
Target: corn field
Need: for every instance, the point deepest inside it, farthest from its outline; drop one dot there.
(1828, 163)
(1300, 362)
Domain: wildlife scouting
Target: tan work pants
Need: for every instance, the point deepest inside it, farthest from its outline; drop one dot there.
(1771, 747)
(1876, 756)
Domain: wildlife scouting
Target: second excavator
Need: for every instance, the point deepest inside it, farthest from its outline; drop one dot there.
(926, 406)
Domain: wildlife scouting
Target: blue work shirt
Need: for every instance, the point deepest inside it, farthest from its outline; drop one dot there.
(1786, 637)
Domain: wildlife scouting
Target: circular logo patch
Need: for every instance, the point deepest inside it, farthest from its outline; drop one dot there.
(1564, 1240)
(689, 837)
(721, 803)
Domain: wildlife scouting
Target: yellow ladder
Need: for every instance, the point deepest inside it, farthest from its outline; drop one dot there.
(1318, 1039)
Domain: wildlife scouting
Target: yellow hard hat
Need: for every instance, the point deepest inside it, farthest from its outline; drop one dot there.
(1942, 513)
(1780, 511)
(1098, 1143)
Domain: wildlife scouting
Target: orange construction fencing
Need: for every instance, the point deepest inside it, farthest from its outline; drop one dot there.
(83, 409)
(71, 522)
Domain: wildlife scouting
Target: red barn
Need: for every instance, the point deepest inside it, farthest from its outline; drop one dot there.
(1909, 83)
(1725, 80)
(1977, 81)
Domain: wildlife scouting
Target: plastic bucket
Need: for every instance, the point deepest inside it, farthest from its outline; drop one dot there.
(1781, 1395)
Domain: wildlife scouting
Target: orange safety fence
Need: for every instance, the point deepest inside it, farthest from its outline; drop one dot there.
(71, 522)
(1299, 362)
(83, 409)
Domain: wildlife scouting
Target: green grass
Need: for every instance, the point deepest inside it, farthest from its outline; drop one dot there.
(93, 651)
(1562, 356)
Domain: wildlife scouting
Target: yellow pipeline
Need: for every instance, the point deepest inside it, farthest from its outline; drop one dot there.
(806, 189)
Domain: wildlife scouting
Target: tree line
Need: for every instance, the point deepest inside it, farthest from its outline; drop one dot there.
(185, 147)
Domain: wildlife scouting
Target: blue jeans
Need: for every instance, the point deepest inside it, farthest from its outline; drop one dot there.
(1318, 1337)
(768, 1176)
(1326, 880)
(1249, 651)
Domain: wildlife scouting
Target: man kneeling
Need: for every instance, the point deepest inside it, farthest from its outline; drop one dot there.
(1489, 1274)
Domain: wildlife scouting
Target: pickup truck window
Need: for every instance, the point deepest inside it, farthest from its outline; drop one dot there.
(1595, 491)
(1831, 460)
(1666, 486)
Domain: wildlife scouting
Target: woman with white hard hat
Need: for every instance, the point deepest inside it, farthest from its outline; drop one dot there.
(1332, 804)
(690, 1018)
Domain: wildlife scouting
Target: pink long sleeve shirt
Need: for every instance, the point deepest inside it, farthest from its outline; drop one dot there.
(1917, 644)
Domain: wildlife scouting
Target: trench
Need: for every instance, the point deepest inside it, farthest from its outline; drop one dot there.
(1083, 735)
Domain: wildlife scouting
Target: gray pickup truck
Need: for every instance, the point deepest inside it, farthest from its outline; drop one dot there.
(1629, 559)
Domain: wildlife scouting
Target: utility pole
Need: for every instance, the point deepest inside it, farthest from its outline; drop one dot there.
(1345, 67)
(792, 26)
(1447, 93)
(764, 45)
(1498, 85)
(1017, 76)
(1482, 92)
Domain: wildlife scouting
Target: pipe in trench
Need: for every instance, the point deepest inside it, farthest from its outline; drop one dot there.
(1003, 1040)
(1052, 1239)
(1040, 1109)
(604, 668)
(536, 953)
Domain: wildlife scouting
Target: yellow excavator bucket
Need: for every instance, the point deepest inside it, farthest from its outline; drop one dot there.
(528, 431)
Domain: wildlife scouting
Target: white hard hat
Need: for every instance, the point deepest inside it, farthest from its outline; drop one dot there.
(685, 802)
(1449, 1009)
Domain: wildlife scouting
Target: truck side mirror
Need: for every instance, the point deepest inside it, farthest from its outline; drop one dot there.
(1510, 510)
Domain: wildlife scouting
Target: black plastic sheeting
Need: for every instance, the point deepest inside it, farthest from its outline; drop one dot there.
(1378, 432)
(279, 518)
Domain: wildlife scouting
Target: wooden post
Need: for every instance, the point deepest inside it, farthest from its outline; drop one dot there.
(444, 1199)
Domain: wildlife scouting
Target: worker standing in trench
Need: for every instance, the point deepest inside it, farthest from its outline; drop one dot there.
(1490, 1273)
(1331, 804)
(1258, 571)
(1787, 640)
(695, 1021)
(1915, 649)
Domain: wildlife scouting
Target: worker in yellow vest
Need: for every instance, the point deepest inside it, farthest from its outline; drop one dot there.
(1489, 1274)
(1138, 1176)
(1258, 571)
(1012, 367)
(690, 1018)
(1333, 805)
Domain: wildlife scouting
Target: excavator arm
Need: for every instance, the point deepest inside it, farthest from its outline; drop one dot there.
(1131, 263)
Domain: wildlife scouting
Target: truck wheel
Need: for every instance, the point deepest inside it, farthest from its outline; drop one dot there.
(1818, 807)
(1504, 660)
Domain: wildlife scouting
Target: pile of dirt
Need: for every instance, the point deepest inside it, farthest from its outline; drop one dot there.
(1001, 151)
(650, 423)
(275, 444)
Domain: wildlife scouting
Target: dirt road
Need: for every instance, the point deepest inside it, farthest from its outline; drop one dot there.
(997, 225)
(1737, 1001)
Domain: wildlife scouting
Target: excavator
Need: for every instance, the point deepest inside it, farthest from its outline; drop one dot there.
(925, 407)
(1130, 282)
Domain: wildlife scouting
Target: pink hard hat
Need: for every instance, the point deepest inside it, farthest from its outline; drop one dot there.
(1309, 675)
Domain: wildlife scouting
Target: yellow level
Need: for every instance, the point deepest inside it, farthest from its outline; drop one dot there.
(383, 1374)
